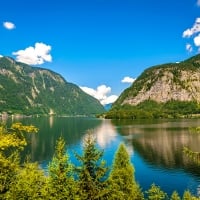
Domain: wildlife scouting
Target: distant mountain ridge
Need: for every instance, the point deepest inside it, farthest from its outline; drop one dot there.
(162, 83)
(32, 90)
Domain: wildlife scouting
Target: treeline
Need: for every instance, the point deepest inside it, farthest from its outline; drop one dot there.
(152, 110)
(91, 180)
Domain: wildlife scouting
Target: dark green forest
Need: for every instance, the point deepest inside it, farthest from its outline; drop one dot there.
(153, 110)
(90, 180)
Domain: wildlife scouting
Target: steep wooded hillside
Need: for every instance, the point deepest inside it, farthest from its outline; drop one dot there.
(31, 90)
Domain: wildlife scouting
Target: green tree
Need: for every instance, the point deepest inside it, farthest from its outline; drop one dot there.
(188, 196)
(12, 141)
(9, 167)
(92, 172)
(155, 193)
(29, 183)
(121, 179)
(14, 137)
(61, 181)
(175, 196)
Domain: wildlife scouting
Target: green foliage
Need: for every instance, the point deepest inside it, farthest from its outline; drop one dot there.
(12, 140)
(29, 183)
(13, 137)
(88, 181)
(194, 129)
(175, 196)
(194, 156)
(61, 184)
(155, 193)
(29, 90)
(150, 109)
(188, 196)
(9, 167)
(92, 172)
(121, 179)
(181, 108)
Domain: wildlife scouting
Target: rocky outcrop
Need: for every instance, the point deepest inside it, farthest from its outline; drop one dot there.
(187, 88)
(174, 81)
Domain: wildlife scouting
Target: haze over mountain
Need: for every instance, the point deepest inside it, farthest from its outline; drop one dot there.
(31, 90)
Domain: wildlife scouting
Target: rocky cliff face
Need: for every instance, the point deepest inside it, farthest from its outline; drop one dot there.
(31, 90)
(178, 81)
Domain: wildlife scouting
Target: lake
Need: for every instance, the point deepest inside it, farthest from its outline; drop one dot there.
(155, 146)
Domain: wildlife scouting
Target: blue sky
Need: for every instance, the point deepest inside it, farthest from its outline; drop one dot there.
(100, 45)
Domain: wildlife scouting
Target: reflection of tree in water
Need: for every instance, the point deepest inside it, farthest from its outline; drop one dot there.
(163, 145)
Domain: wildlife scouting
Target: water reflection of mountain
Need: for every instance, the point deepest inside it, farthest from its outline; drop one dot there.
(42, 144)
(161, 144)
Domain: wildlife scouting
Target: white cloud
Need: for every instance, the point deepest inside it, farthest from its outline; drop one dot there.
(198, 2)
(8, 25)
(109, 99)
(128, 79)
(1, 56)
(189, 47)
(34, 55)
(197, 40)
(101, 93)
(193, 34)
(192, 31)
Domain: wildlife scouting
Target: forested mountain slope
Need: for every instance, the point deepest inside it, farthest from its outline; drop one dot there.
(31, 90)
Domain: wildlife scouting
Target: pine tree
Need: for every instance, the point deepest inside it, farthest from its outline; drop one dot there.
(121, 179)
(155, 193)
(61, 180)
(188, 196)
(92, 172)
(175, 196)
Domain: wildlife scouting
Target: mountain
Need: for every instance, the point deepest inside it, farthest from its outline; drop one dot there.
(32, 90)
(168, 85)
(177, 81)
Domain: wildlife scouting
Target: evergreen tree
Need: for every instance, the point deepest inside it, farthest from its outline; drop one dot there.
(29, 183)
(61, 181)
(91, 173)
(188, 196)
(121, 179)
(155, 193)
(175, 196)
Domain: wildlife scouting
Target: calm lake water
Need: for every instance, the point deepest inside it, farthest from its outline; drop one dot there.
(155, 147)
